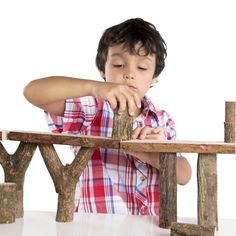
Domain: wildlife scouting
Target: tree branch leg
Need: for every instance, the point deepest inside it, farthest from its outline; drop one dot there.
(15, 167)
(7, 203)
(65, 178)
(207, 190)
(168, 190)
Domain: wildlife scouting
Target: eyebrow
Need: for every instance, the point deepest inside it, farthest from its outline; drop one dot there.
(120, 55)
(116, 54)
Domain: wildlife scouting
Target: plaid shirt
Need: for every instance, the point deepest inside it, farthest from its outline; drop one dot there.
(113, 181)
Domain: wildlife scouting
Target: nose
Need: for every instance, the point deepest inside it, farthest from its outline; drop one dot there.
(128, 76)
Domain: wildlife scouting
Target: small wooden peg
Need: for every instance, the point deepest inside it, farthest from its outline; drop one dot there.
(122, 126)
(229, 125)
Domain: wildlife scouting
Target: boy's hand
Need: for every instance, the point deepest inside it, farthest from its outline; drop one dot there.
(149, 133)
(118, 95)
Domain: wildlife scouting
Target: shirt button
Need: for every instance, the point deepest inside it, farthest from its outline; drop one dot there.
(142, 178)
(143, 209)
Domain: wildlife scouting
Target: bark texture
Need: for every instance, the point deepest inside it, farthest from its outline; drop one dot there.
(15, 167)
(207, 190)
(8, 203)
(181, 229)
(230, 122)
(168, 190)
(65, 178)
(122, 126)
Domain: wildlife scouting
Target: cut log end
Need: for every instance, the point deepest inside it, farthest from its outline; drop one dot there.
(8, 200)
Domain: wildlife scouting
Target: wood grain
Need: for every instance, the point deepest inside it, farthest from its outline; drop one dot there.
(65, 177)
(230, 112)
(168, 190)
(8, 202)
(230, 122)
(147, 145)
(15, 167)
(64, 139)
(177, 146)
(207, 190)
(182, 229)
(122, 126)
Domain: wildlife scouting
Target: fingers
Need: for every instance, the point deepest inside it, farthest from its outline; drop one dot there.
(122, 101)
(158, 130)
(122, 96)
(113, 103)
(149, 133)
(133, 102)
(141, 133)
(136, 132)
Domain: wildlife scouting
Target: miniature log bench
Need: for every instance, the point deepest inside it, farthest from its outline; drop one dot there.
(62, 175)
(46, 141)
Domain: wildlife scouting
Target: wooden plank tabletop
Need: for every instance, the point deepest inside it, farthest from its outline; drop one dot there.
(147, 145)
(64, 139)
(151, 145)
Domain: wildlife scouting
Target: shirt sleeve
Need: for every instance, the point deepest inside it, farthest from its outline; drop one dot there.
(78, 115)
(171, 130)
(170, 127)
(167, 122)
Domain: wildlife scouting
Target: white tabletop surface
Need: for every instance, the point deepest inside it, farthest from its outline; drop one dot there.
(43, 224)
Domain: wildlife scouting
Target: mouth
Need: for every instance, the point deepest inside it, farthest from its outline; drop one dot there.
(133, 87)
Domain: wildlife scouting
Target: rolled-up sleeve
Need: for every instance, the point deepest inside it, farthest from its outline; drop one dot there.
(78, 114)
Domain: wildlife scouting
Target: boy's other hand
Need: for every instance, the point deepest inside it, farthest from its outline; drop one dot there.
(149, 133)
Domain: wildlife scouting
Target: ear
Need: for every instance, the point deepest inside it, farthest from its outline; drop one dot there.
(154, 81)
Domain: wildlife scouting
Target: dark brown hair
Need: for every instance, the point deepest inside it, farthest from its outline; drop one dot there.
(129, 33)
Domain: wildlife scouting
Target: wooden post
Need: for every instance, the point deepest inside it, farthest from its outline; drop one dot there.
(65, 178)
(207, 190)
(168, 190)
(7, 203)
(230, 120)
(181, 229)
(122, 126)
(15, 167)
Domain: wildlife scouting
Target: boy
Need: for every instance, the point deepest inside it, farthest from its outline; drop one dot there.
(130, 57)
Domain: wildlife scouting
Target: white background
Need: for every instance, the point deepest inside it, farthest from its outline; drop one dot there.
(59, 37)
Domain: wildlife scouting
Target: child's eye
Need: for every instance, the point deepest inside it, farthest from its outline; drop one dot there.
(142, 68)
(118, 65)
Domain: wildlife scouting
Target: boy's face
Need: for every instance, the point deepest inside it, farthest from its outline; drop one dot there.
(132, 69)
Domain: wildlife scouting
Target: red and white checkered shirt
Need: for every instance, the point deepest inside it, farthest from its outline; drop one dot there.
(113, 181)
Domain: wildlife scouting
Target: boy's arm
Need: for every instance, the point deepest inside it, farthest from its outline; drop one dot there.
(183, 168)
(50, 93)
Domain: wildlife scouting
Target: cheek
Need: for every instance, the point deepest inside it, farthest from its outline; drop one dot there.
(112, 76)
